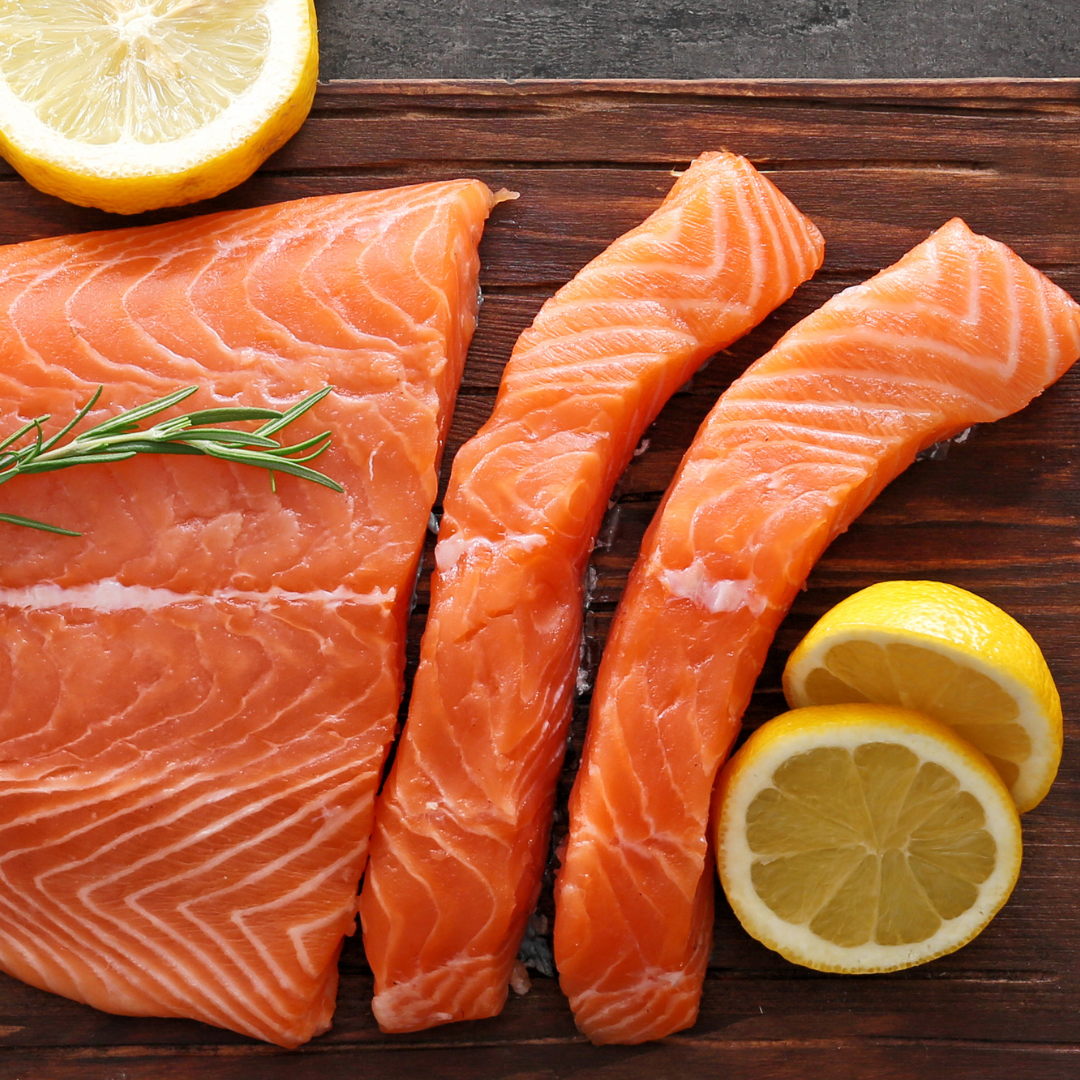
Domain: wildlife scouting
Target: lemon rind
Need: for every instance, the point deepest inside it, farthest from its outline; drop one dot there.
(1044, 727)
(196, 166)
(752, 770)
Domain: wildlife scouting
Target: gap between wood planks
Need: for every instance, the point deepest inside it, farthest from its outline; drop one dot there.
(266, 1050)
(261, 1050)
(910, 975)
(674, 168)
(876, 1041)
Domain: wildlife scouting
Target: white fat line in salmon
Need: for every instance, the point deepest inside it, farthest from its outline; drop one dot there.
(449, 892)
(112, 595)
(693, 583)
(107, 927)
(448, 551)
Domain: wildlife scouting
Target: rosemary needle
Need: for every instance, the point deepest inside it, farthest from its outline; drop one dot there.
(199, 432)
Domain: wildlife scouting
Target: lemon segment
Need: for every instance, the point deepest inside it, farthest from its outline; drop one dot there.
(950, 654)
(863, 838)
(129, 105)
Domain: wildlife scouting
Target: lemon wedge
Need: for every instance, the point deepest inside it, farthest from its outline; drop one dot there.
(862, 838)
(950, 654)
(128, 105)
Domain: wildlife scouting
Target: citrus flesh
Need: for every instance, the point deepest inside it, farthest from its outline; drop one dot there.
(863, 838)
(947, 653)
(129, 105)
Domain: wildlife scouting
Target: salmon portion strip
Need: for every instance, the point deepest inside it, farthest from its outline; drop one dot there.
(197, 696)
(958, 332)
(462, 825)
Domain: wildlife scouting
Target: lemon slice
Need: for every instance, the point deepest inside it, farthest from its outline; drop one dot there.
(862, 838)
(947, 653)
(129, 105)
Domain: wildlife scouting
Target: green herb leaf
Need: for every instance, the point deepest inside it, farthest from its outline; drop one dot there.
(72, 422)
(127, 420)
(266, 461)
(225, 416)
(297, 410)
(14, 519)
(120, 437)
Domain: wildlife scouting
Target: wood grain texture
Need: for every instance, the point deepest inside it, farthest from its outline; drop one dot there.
(877, 165)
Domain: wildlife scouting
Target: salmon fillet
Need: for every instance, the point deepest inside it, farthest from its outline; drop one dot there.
(960, 331)
(198, 694)
(462, 825)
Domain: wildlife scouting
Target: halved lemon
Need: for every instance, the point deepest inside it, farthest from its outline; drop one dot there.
(947, 653)
(128, 105)
(862, 838)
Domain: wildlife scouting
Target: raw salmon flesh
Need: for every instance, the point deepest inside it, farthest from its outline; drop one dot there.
(462, 826)
(198, 694)
(960, 331)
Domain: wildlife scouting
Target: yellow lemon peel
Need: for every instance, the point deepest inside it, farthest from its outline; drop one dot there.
(128, 106)
(863, 838)
(947, 653)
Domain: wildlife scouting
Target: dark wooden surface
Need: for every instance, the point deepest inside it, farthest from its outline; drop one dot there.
(877, 166)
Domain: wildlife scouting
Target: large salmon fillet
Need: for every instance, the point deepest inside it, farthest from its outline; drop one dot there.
(197, 696)
(960, 331)
(462, 825)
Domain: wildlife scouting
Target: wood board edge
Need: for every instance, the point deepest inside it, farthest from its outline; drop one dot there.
(965, 93)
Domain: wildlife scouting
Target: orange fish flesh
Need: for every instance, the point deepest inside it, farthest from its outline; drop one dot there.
(960, 331)
(462, 825)
(198, 694)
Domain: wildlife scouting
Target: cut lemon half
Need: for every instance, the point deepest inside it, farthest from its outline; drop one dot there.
(950, 654)
(128, 105)
(862, 838)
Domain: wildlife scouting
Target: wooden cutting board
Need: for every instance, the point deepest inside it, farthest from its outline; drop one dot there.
(877, 165)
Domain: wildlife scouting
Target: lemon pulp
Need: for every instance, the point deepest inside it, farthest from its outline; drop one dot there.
(895, 673)
(129, 105)
(863, 837)
(159, 70)
(867, 845)
(947, 653)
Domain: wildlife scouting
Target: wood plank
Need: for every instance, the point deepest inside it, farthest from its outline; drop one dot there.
(990, 93)
(841, 1058)
(877, 165)
(775, 133)
(566, 216)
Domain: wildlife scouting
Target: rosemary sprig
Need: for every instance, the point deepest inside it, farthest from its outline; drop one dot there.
(120, 437)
